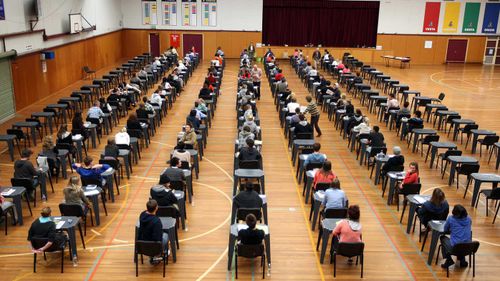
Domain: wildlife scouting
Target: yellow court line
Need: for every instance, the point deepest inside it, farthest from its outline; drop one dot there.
(304, 213)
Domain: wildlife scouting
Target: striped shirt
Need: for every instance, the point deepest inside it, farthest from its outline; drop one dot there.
(312, 109)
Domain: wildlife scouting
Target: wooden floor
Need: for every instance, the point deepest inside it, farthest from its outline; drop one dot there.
(390, 253)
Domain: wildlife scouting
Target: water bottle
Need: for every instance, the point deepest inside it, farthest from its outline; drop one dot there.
(75, 260)
(44, 198)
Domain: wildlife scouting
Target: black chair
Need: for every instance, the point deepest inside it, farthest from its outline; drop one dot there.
(463, 250)
(373, 151)
(310, 166)
(38, 243)
(435, 216)
(20, 136)
(29, 185)
(241, 213)
(96, 182)
(449, 120)
(349, 250)
(150, 249)
(467, 169)
(251, 251)
(491, 194)
(5, 212)
(407, 189)
(76, 210)
(249, 164)
(256, 188)
(385, 179)
(467, 131)
(170, 212)
(116, 165)
(87, 72)
(304, 136)
(444, 159)
(487, 141)
(427, 141)
(340, 213)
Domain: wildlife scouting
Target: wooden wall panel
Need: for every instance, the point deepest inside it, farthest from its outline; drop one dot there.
(413, 46)
(31, 84)
(232, 42)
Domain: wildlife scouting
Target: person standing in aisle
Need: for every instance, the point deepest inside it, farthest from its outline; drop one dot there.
(312, 108)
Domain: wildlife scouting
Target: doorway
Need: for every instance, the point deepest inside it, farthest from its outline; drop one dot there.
(154, 44)
(190, 40)
(457, 50)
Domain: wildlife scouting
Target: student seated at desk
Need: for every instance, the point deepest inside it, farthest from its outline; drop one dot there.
(193, 120)
(251, 235)
(394, 162)
(249, 152)
(122, 137)
(43, 227)
(324, 175)
(50, 151)
(151, 229)
(182, 154)
(348, 230)
(133, 123)
(335, 198)
(163, 194)
(294, 119)
(245, 134)
(375, 139)
(433, 208)
(303, 127)
(111, 150)
(205, 92)
(95, 112)
(415, 122)
(88, 170)
(189, 138)
(363, 129)
(174, 172)
(292, 105)
(24, 169)
(412, 175)
(248, 198)
(253, 126)
(315, 157)
(459, 227)
(73, 194)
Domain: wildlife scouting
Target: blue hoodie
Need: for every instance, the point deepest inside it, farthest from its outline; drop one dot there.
(459, 229)
(91, 173)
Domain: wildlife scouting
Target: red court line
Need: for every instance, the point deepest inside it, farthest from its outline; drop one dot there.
(122, 219)
(378, 218)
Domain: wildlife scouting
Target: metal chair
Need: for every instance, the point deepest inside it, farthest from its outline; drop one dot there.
(427, 141)
(4, 213)
(467, 169)
(491, 194)
(349, 250)
(487, 141)
(38, 243)
(251, 251)
(151, 249)
(463, 250)
(407, 189)
(444, 159)
(467, 131)
(87, 72)
(76, 210)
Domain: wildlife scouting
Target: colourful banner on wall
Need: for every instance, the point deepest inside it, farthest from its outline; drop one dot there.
(175, 40)
(451, 15)
(471, 17)
(490, 21)
(149, 12)
(209, 12)
(189, 12)
(431, 18)
(169, 12)
(2, 10)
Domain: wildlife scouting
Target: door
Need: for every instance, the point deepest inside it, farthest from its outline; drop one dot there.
(154, 44)
(190, 40)
(457, 50)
